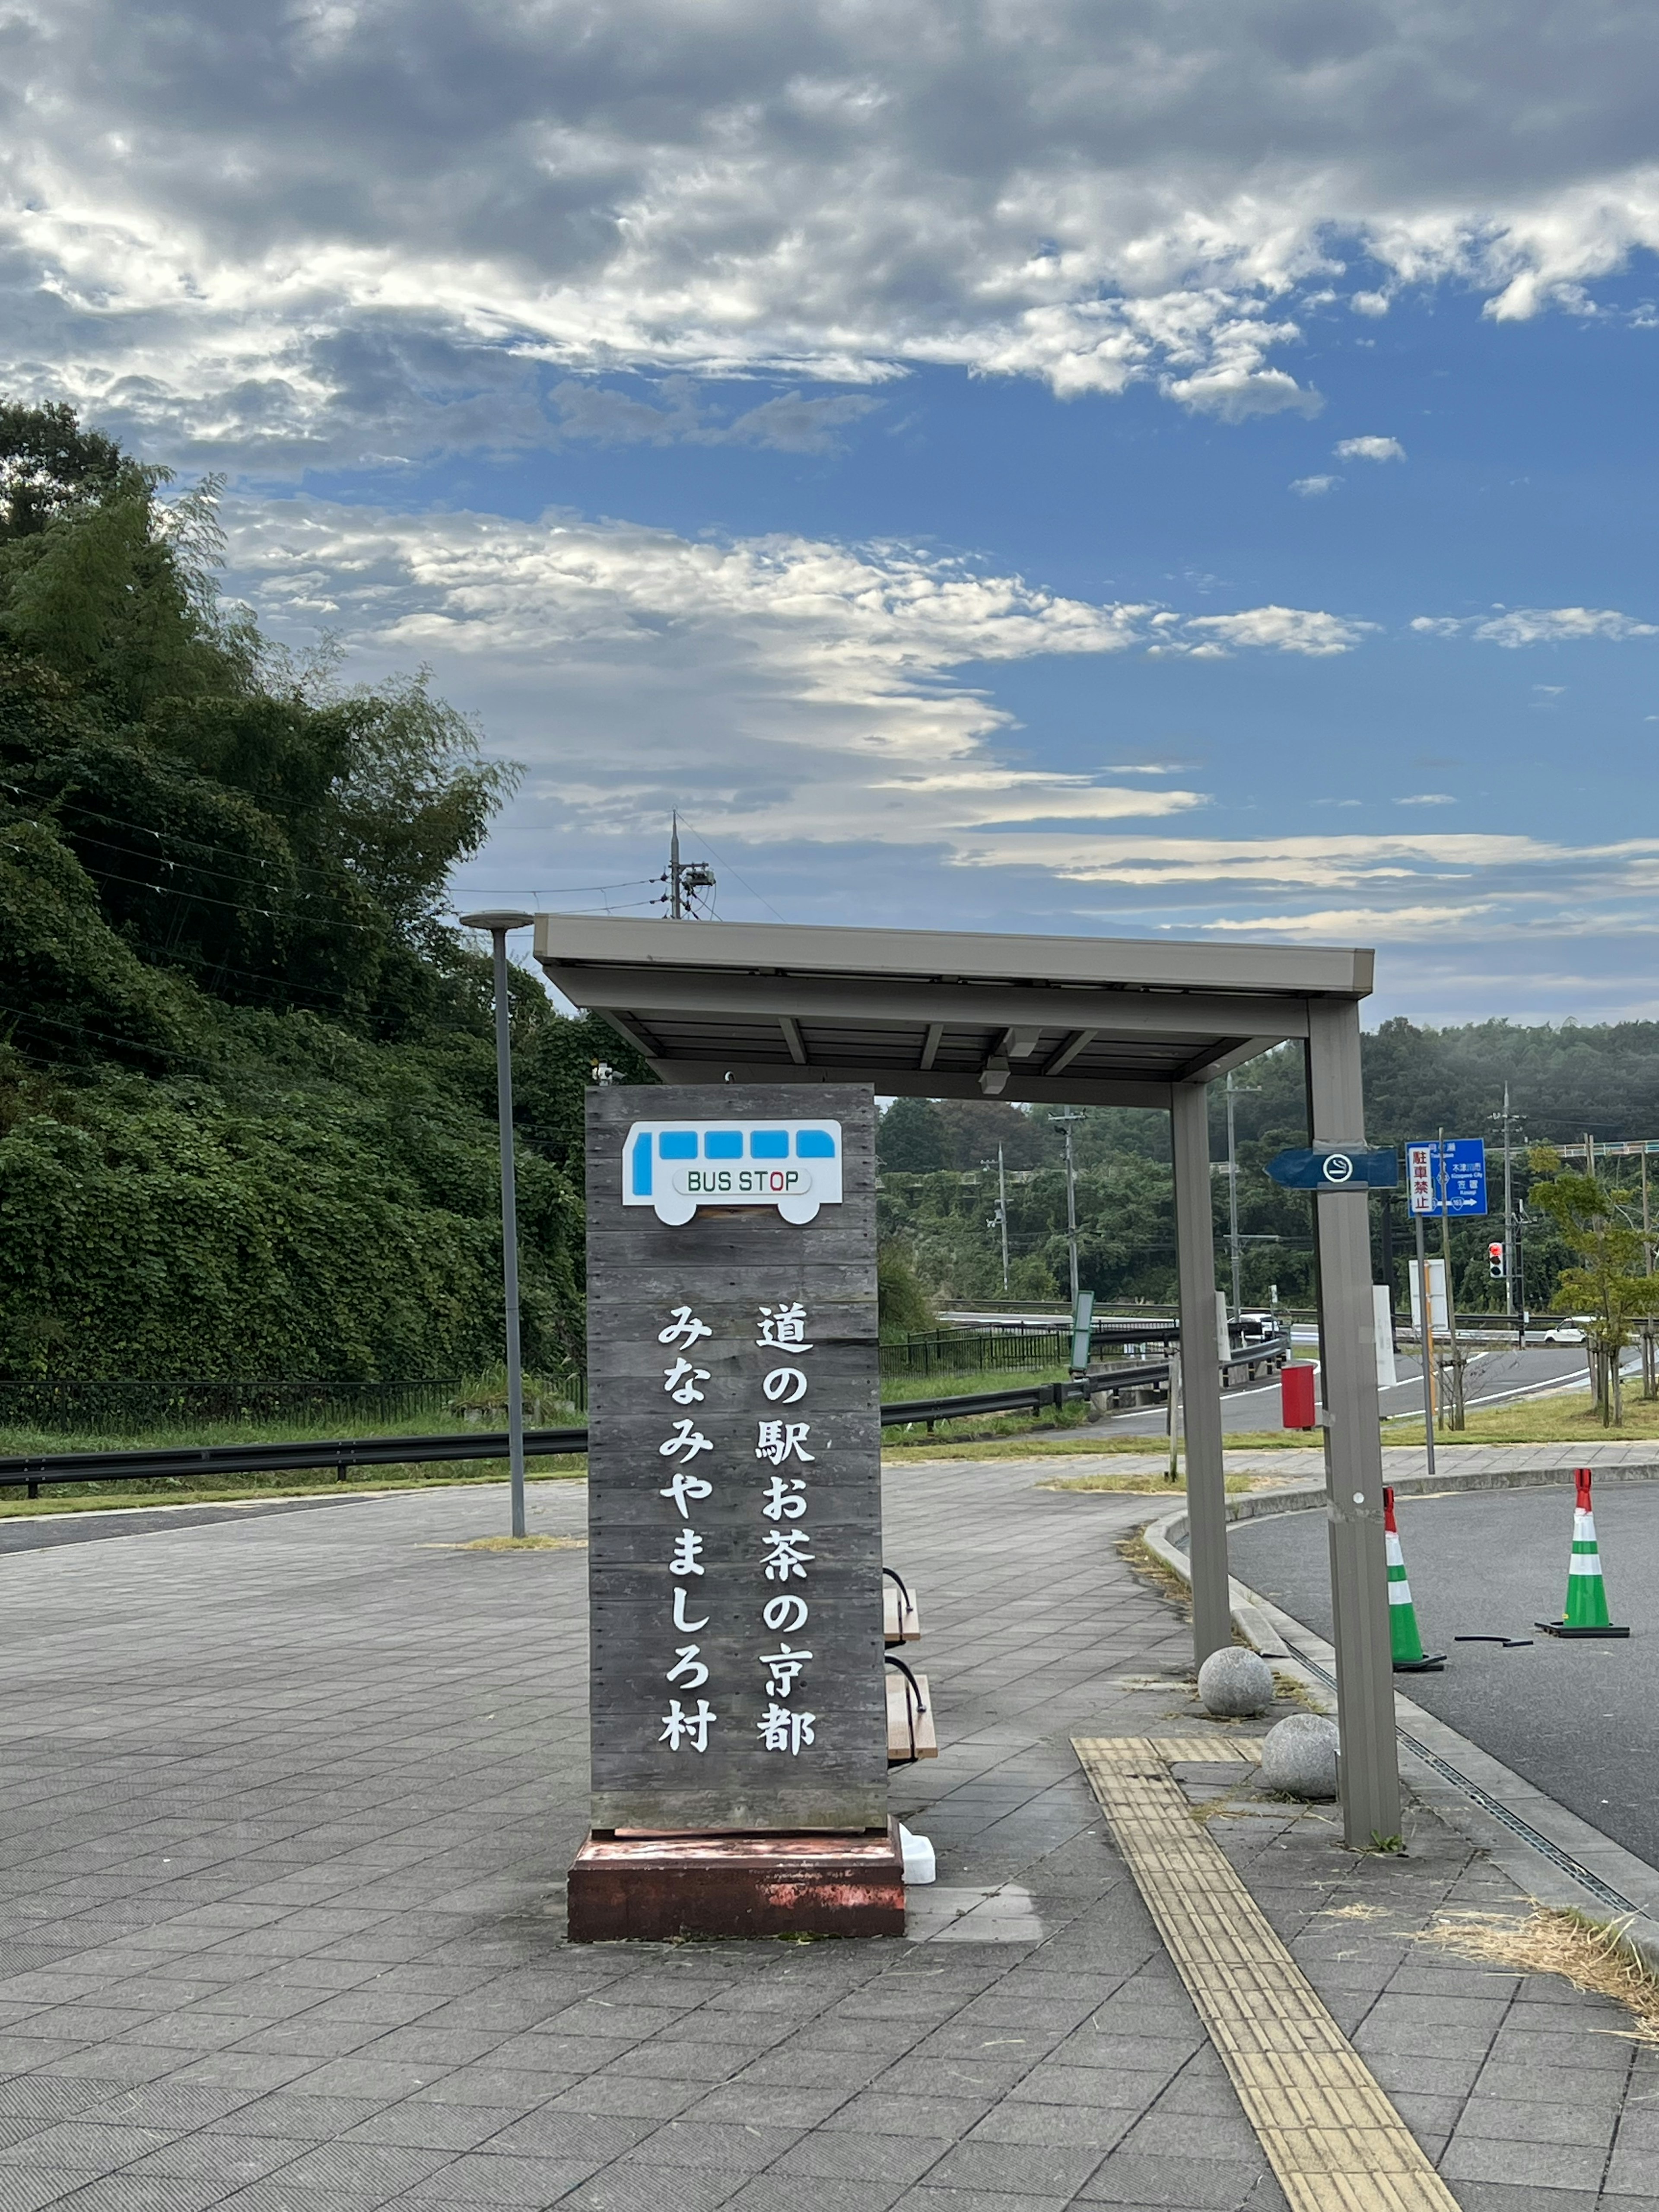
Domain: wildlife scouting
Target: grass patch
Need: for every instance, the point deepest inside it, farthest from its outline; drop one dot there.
(181, 1435)
(956, 1440)
(968, 1382)
(511, 1544)
(1565, 1420)
(218, 1490)
(1591, 1954)
(1142, 1485)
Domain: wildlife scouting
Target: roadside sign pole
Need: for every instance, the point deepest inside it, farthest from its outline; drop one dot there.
(1425, 1346)
(1454, 1410)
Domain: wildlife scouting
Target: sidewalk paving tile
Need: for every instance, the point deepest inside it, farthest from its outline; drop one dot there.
(272, 1948)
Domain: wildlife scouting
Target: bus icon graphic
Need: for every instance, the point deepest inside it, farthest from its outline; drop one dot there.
(675, 1167)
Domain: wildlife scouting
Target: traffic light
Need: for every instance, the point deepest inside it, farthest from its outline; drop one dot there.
(1495, 1262)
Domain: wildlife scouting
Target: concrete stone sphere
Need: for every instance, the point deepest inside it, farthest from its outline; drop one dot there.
(1235, 1683)
(1298, 1756)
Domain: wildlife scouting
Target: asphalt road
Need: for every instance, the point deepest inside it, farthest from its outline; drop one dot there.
(1491, 1375)
(1579, 1720)
(30, 1533)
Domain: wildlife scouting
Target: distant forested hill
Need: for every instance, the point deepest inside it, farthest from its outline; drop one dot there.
(939, 1194)
(247, 1075)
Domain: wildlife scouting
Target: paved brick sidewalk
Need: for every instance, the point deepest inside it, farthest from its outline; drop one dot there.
(285, 1803)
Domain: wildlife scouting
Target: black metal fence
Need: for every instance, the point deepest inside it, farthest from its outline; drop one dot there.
(31, 1470)
(1000, 1350)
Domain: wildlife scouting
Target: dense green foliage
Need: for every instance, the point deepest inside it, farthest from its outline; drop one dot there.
(247, 1076)
(939, 1201)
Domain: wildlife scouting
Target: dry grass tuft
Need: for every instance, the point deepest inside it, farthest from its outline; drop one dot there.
(1292, 1690)
(1353, 1913)
(1593, 1955)
(1145, 1562)
(513, 1544)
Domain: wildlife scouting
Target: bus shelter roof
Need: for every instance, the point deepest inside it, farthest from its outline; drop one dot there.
(937, 1013)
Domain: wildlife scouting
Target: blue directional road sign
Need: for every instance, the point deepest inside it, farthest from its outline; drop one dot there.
(1328, 1167)
(1448, 1177)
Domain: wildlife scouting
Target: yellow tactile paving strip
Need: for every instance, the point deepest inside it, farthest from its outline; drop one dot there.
(1332, 2137)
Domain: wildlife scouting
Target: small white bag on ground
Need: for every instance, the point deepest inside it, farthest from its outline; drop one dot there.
(919, 1862)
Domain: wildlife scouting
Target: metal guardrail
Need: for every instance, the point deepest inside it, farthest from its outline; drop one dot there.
(343, 1454)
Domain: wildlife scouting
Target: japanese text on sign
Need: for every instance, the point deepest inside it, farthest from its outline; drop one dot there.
(783, 1555)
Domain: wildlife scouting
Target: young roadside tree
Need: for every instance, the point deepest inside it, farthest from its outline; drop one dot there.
(1607, 1283)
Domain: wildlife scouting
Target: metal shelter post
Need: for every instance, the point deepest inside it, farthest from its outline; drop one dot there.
(1353, 1448)
(1206, 1490)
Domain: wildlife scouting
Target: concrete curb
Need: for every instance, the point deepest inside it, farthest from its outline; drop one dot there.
(1276, 1635)
(1298, 1497)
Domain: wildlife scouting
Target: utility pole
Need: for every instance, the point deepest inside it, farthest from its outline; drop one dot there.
(1509, 1212)
(685, 879)
(1515, 1303)
(1649, 1379)
(1235, 1242)
(498, 924)
(1064, 1123)
(1002, 1217)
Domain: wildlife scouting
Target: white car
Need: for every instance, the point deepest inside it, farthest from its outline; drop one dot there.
(1564, 1332)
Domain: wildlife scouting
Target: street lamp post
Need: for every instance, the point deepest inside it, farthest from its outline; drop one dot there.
(498, 924)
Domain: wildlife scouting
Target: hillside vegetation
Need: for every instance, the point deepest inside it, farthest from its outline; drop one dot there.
(247, 1072)
(940, 1184)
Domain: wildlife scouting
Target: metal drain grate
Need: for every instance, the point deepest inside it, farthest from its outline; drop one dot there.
(1530, 1836)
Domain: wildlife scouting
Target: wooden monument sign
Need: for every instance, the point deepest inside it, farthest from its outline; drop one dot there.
(739, 1739)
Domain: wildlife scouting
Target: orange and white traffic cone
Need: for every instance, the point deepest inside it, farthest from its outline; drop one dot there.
(1405, 1639)
(1587, 1595)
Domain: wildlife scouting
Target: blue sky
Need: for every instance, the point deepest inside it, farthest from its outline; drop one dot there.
(1185, 470)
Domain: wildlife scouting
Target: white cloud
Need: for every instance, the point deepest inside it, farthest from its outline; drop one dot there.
(782, 688)
(1532, 877)
(1521, 626)
(1427, 799)
(792, 688)
(1315, 487)
(1362, 924)
(1282, 629)
(360, 229)
(1370, 449)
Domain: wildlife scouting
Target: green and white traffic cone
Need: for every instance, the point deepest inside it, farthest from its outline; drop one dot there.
(1587, 1594)
(1404, 1639)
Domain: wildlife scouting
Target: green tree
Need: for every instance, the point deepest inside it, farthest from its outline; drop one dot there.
(902, 1303)
(911, 1138)
(1607, 1283)
(247, 1071)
